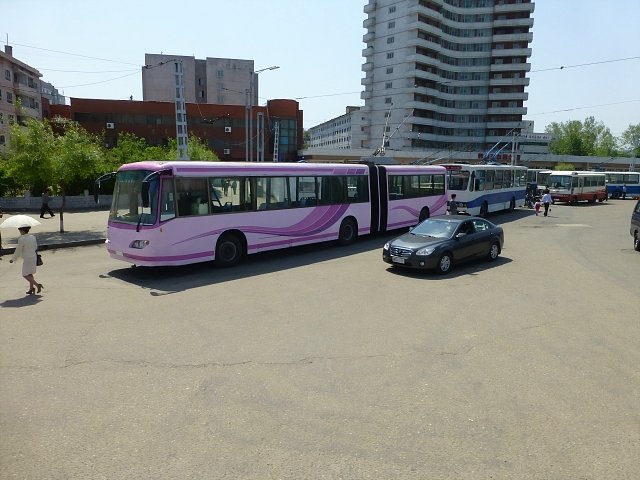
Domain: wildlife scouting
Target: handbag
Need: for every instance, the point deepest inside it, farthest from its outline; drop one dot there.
(39, 261)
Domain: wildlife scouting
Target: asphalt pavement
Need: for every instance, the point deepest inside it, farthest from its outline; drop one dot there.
(78, 228)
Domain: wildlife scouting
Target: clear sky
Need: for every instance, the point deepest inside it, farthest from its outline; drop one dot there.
(94, 49)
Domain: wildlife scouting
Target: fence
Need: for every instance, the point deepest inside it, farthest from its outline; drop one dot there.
(72, 202)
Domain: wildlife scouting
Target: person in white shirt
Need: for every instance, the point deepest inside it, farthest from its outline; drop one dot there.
(27, 248)
(546, 201)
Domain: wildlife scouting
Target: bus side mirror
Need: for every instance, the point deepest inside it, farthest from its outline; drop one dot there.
(145, 194)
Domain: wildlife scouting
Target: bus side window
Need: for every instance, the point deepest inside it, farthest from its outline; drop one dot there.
(167, 202)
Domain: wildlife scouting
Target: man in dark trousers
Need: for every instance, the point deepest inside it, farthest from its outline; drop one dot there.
(45, 204)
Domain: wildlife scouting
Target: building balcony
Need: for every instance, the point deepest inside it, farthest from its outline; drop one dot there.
(367, 67)
(509, 96)
(369, 22)
(514, 7)
(370, 7)
(507, 111)
(511, 52)
(367, 52)
(513, 37)
(514, 22)
(510, 67)
(496, 82)
(366, 81)
(369, 37)
(366, 95)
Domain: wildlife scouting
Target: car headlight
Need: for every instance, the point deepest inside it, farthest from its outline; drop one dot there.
(140, 244)
(386, 246)
(425, 251)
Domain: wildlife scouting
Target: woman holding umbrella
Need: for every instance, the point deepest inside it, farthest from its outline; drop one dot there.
(27, 249)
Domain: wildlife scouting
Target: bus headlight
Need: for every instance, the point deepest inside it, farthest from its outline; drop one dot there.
(139, 244)
(425, 251)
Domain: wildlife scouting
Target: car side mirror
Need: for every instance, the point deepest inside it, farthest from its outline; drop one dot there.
(460, 234)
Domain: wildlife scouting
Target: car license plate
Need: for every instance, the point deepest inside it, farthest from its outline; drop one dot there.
(397, 259)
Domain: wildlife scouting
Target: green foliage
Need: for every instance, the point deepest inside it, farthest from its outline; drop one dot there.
(567, 167)
(37, 158)
(630, 139)
(588, 138)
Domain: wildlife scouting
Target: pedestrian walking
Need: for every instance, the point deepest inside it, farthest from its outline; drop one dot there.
(537, 206)
(546, 201)
(27, 248)
(45, 204)
(624, 192)
(453, 205)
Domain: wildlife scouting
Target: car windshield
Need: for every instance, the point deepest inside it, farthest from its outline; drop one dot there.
(435, 228)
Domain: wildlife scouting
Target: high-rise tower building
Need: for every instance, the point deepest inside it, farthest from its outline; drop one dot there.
(445, 74)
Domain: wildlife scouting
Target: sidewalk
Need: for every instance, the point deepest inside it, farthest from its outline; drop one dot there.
(80, 228)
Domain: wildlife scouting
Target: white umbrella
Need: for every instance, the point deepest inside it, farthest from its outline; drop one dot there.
(19, 221)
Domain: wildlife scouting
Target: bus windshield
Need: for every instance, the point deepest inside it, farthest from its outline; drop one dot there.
(560, 181)
(126, 206)
(458, 179)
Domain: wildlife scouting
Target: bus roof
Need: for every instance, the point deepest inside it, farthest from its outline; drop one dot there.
(201, 168)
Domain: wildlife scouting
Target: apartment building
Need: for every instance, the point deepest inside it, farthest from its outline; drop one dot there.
(445, 74)
(342, 132)
(20, 95)
(222, 81)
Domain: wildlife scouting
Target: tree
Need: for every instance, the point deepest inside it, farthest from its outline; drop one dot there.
(630, 139)
(588, 138)
(37, 158)
(198, 150)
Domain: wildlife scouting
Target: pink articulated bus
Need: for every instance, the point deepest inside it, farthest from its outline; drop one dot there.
(181, 212)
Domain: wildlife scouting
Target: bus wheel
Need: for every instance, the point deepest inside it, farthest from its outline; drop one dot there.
(593, 200)
(574, 201)
(445, 263)
(424, 214)
(229, 250)
(484, 209)
(348, 231)
(615, 195)
(512, 205)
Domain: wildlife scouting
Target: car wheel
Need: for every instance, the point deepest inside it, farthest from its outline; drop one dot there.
(484, 209)
(494, 251)
(636, 243)
(445, 263)
(229, 251)
(348, 232)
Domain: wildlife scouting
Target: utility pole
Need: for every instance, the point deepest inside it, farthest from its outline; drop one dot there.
(182, 137)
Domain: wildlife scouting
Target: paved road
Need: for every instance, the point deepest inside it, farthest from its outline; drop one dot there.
(323, 363)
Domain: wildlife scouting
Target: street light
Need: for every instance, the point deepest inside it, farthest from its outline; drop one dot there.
(248, 125)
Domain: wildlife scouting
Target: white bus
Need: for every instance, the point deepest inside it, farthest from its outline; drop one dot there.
(575, 186)
(175, 213)
(618, 182)
(485, 188)
(538, 178)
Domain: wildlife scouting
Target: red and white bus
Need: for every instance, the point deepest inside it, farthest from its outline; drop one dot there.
(180, 212)
(573, 187)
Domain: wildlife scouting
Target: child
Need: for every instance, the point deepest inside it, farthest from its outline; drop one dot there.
(537, 207)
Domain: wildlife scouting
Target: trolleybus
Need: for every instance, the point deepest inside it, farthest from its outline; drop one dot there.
(485, 188)
(176, 213)
(617, 180)
(573, 187)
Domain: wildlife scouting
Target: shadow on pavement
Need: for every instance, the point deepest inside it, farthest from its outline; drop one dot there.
(166, 280)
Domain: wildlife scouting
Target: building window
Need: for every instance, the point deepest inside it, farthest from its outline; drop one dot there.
(9, 97)
(388, 85)
(392, 9)
(390, 40)
(220, 73)
(387, 100)
(389, 69)
(7, 75)
(391, 25)
(389, 55)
